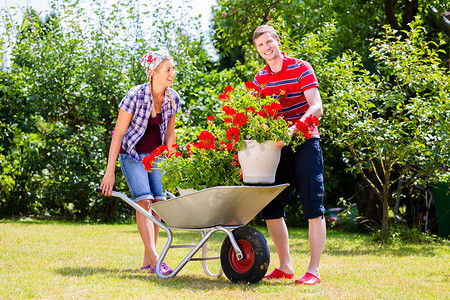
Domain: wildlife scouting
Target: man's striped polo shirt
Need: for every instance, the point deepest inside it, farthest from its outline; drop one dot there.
(296, 76)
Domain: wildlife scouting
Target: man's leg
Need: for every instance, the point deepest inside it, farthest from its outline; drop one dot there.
(317, 233)
(309, 175)
(279, 233)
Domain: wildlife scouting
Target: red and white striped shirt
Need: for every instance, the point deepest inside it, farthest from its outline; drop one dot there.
(296, 76)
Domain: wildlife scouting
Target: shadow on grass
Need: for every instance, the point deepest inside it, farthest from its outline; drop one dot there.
(198, 282)
(402, 251)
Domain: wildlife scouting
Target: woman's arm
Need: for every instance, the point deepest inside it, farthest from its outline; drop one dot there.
(170, 139)
(123, 120)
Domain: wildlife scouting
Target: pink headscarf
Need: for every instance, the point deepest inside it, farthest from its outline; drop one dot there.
(151, 60)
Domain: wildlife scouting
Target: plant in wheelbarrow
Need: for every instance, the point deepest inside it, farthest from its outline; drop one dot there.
(206, 162)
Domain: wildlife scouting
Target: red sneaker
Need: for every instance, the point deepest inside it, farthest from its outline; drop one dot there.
(309, 279)
(279, 274)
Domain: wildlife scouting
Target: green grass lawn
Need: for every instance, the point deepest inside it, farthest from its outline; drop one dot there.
(57, 260)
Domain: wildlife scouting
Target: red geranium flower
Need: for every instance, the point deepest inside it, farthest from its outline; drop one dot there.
(210, 118)
(233, 134)
(301, 126)
(159, 150)
(228, 120)
(227, 146)
(240, 119)
(228, 89)
(148, 162)
(250, 85)
(312, 120)
(176, 154)
(263, 113)
(228, 110)
(250, 109)
(205, 144)
(276, 106)
(224, 96)
(206, 135)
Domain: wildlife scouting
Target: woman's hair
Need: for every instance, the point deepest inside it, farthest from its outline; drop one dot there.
(265, 29)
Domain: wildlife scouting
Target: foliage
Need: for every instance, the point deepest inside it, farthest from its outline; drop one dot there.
(393, 124)
(67, 76)
(357, 21)
(69, 70)
(402, 234)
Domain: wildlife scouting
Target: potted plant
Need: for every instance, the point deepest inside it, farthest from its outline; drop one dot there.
(254, 125)
(246, 123)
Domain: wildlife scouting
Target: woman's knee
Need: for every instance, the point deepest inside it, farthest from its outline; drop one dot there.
(145, 203)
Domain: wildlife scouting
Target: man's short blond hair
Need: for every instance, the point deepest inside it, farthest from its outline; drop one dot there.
(265, 29)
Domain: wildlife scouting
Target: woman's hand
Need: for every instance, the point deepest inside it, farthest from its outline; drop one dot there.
(108, 183)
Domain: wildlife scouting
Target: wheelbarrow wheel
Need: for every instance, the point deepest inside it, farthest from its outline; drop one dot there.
(254, 247)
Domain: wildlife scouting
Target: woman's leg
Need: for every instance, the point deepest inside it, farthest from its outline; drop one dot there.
(137, 179)
(154, 178)
(146, 230)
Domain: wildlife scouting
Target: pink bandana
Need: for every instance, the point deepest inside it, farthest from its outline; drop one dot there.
(151, 60)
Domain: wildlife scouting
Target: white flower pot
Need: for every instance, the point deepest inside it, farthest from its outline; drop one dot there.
(259, 162)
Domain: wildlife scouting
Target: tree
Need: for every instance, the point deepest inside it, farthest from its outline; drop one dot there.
(61, 97)
(356, 21)
(393, 123)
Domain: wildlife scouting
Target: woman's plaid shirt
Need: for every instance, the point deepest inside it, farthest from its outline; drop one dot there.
(138, 103)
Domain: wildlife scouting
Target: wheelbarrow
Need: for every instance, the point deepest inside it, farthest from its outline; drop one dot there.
(244, 254)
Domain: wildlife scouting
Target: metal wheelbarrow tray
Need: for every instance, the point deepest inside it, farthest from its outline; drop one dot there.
(244, 254)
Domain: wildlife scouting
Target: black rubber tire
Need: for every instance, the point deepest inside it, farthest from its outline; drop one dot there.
(254, 247)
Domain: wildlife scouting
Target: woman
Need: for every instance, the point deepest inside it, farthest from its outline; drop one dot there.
(146, 120)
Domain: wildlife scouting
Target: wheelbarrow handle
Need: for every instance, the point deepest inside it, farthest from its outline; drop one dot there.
(154, 220)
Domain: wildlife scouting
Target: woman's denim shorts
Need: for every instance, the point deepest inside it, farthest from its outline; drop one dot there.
(142, 184)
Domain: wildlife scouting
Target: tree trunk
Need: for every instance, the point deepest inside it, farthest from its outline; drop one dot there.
(389, 10)
(385, 227)
(410, 9)
(409, 12)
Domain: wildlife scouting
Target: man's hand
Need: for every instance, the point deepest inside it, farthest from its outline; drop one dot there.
(279, 144)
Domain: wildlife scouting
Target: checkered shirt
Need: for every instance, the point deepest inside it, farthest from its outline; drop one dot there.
(138, 103)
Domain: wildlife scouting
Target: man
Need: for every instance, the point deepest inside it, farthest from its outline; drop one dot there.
(303, 168)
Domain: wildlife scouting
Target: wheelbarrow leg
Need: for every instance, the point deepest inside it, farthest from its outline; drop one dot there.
(205, 256)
